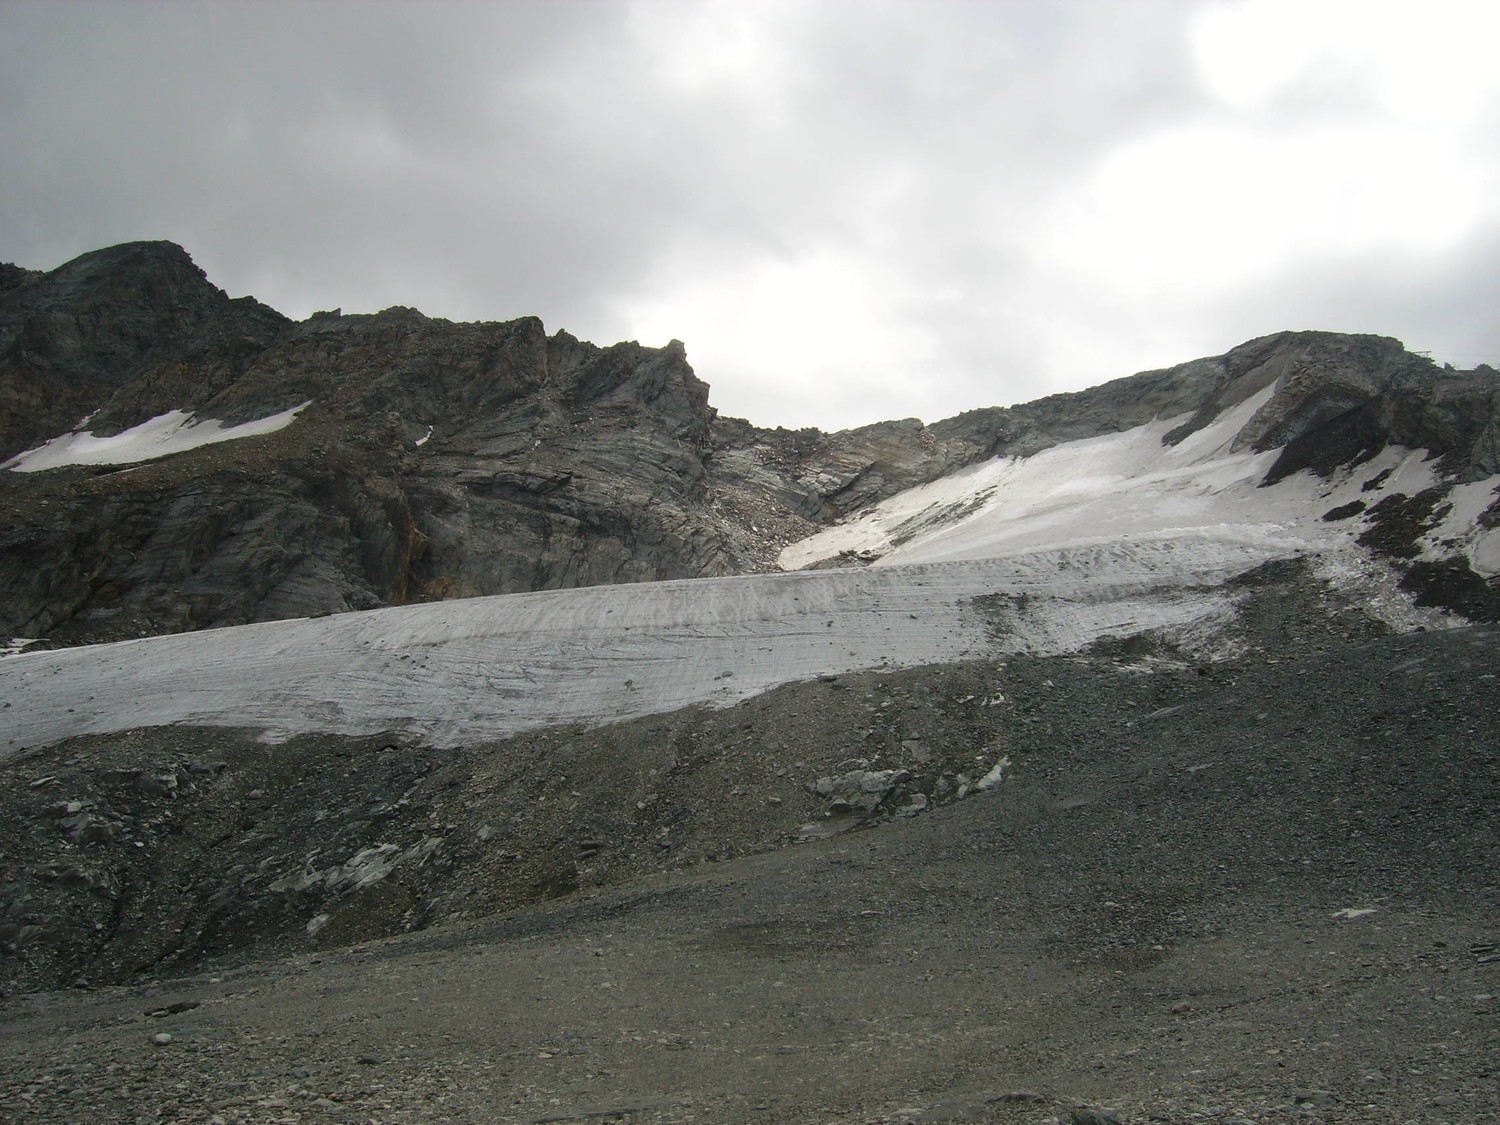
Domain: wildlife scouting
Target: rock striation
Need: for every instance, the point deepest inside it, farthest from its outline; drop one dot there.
(432, 460)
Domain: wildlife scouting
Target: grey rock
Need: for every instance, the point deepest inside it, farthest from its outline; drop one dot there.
(953, 1112)
(1092, 1117)
(859, 789)
(915, 804)
(174, 1009)
(1313, 1098)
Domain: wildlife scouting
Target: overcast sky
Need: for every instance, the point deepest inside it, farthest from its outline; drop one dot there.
(848, 209)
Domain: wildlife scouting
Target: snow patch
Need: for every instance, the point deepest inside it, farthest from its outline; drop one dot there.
(995, 776)
(1460, 531)
(1484, 554)
(1117, 485)
(172, 432)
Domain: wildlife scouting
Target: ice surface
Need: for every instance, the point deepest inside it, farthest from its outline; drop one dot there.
(172, 432)
(459, 671)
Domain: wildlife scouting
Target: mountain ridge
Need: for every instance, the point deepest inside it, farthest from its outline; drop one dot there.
(431, 459)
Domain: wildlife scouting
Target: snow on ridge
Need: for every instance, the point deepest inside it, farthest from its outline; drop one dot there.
(1128, 485)
(1461, 530)
(1017, 503)
(484, 668)
(172, 432)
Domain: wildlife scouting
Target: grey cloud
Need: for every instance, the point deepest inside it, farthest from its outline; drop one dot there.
(489, 160)
(343, 150)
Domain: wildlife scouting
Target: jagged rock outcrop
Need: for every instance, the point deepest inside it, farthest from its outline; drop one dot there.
(431, 459)
(113, 332)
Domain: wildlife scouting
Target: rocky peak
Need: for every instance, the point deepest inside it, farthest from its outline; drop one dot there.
(13, 276)
(74, 338)
(435, 459)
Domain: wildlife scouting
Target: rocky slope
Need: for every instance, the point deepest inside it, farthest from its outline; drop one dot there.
(429, 459)
(1254, 893)
(156, 840)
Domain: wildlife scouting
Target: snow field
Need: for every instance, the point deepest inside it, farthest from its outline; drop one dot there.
(1109, 536)
(1122, 487)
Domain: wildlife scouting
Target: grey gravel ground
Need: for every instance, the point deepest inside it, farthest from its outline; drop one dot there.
(1260, 892)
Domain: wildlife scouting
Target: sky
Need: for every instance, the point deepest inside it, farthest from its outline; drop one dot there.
(849, 210)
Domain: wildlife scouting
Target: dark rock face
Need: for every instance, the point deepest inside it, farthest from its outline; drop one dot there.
(1455, 416)
(434, 459)
(115, 331)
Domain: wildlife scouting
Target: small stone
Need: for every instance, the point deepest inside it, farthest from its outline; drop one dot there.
(915, 804)
(1092, 1117)
(1313, 1098)
(173, 1009)
(162, 1038)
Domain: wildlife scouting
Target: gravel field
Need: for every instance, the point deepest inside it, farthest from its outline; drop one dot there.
(1262, 891)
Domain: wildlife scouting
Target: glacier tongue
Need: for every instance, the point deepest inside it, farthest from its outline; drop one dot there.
(460, 671)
